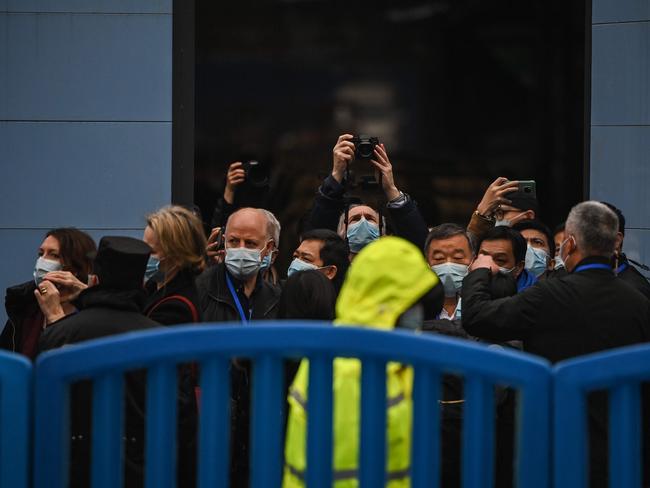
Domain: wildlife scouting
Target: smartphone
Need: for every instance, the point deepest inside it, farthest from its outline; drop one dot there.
(526, 189)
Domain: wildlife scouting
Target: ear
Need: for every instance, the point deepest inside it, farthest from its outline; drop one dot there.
(93, 280)
(619, 242)
(530, 214)
(330, 271)
(551, 264)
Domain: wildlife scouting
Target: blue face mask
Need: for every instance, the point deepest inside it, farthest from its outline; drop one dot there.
(44, 266)
(558, 263)
(243, 263)
(300, 265)
(361, 233)
(152, 272)
(266, 262)
(451, 276)
(536, 261)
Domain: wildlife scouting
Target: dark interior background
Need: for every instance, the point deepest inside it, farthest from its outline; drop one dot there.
(460, 91)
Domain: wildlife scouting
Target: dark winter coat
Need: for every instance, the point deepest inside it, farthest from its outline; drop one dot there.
(330, 202)
(584, 312)
(24, 320)
(162, 307)
(218, 305)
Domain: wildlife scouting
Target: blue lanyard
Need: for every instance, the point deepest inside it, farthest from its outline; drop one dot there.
(585, 267)
(235, 297)
(621, 268)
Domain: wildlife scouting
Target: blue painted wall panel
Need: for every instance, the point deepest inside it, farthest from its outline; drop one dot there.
(87, 67)
(107, 72)
(620, 74)
(620, 170)
(620, 111)
(87, 6)
(620, 11)
(110, 174)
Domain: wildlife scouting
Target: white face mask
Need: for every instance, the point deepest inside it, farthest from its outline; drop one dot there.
(44, 266)
(503, 222)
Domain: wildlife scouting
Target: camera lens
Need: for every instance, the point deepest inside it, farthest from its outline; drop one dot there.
(365, 150)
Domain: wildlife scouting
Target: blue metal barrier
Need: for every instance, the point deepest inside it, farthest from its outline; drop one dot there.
(15, 418)
(619, 371)
(212, 347)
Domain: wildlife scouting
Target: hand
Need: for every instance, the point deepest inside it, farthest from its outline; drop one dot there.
(68, 285)
(49, 301)
(343, 155)
(494, 196)
(212, 250)
(235, 177)
(484, 261)
(383, 166)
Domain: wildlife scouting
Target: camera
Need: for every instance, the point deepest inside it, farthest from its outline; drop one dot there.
(256, 174)
(364, 147)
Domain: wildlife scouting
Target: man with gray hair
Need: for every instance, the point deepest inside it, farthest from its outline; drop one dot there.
(588, 310)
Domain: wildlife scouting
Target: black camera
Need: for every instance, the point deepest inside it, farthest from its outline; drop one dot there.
(364, 147)
(256, 175)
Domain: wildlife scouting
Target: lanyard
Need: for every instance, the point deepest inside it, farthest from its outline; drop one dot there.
(235, 297)
(585, 267)
(621, 268)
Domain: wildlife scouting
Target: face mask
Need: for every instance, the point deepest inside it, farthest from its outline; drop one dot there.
(44, 266)
(243, 263)
(558, 263)
(506, 271)
(451, 276)
(300, 265)
(536, 261)
(266, 262)
(361, 234)
(412, 318)
(503, 222)
(559, 254)
(152, 272)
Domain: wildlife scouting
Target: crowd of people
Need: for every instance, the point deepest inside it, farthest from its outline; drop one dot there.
(502, 279)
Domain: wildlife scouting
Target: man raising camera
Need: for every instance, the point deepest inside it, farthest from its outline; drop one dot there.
(361, 224)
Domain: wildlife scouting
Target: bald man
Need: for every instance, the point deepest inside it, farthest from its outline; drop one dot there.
(234, 291)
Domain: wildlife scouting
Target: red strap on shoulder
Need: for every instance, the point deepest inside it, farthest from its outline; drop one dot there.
(185, 300)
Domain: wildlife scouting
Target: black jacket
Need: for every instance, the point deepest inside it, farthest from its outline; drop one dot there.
(581, 313)
(103, 313)
(584, 312)
(22, 311)
(217, 305)
(172, 311)
(633, 277)
(330, 203)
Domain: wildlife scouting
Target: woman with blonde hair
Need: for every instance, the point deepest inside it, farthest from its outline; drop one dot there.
(178, 244)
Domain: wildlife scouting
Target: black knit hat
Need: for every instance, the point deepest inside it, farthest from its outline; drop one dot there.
(120, 262)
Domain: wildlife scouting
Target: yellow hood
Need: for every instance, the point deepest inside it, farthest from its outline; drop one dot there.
(384, 280)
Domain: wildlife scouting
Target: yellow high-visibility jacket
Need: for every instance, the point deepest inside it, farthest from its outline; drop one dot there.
(385, 279)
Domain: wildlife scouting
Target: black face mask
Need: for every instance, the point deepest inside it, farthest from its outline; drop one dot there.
(503, 285)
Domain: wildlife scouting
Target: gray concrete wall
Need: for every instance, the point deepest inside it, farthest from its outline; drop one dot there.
(85, 120)
(620, 115)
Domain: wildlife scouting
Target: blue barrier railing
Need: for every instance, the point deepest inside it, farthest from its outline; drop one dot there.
(620, 372)
(212, 347)
(15, 419)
